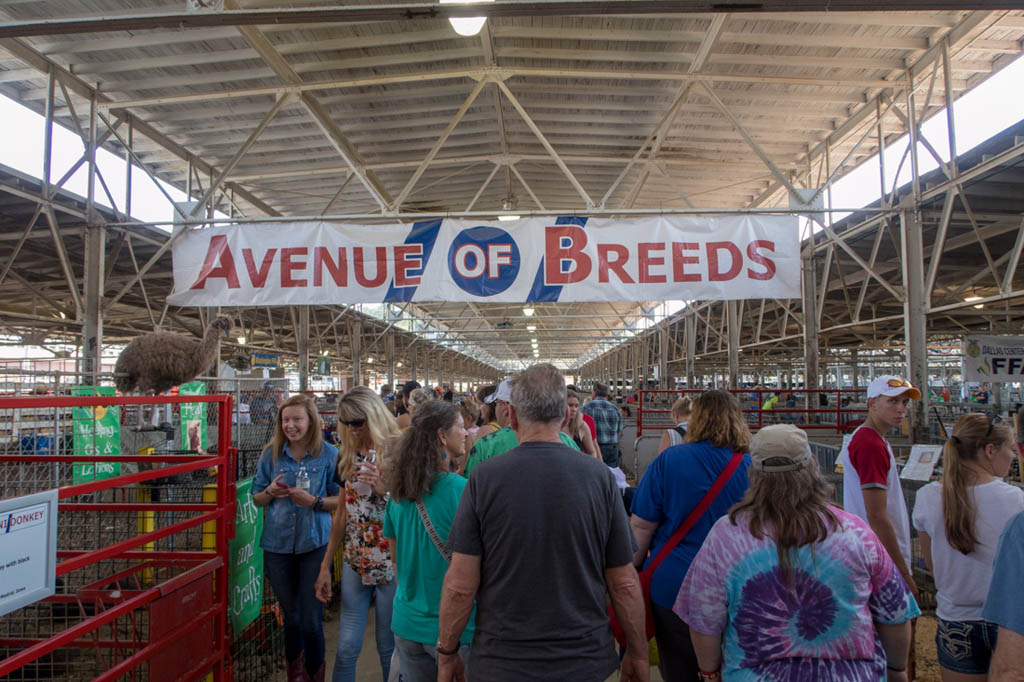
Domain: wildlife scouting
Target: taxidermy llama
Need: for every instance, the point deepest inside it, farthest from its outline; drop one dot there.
(159, 360)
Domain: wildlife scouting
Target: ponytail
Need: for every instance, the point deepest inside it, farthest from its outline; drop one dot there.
(971, 433)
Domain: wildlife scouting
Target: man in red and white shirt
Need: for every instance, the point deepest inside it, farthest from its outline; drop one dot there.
(871, 483)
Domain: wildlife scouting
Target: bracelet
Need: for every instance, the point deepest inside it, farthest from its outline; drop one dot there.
(711, 675)
(449, 652)
(319, 504)
(894, 669)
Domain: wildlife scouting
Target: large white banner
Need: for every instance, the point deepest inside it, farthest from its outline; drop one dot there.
(541, 259)
(993, 358)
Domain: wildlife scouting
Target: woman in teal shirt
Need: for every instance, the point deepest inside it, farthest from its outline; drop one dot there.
(419, 475)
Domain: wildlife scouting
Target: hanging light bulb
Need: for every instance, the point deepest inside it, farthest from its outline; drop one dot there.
(466, 26)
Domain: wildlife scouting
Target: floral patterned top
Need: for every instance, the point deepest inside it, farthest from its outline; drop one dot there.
(366, 549)
(818, 629)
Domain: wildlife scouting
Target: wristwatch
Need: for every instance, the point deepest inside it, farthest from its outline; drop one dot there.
(447, 652)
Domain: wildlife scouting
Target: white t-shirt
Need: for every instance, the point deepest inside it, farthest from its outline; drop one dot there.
(961, 580)
(673, 436)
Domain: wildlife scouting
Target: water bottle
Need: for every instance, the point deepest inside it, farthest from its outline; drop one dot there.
(302, 479)
(360, 487)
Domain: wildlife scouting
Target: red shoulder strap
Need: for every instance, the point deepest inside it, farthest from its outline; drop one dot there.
(697, 512)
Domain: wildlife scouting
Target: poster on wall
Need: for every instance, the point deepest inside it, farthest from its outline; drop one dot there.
(193, 418)
(28, 549)
(245, 580)
(96, 431)
(537, 259)
(993, 358)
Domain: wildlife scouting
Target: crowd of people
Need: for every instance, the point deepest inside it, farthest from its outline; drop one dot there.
(493, 535)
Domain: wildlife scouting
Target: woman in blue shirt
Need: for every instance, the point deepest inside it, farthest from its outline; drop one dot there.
(295, 480)
(672, 487)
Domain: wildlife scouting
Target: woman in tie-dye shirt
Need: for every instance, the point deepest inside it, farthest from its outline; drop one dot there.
(789, 588)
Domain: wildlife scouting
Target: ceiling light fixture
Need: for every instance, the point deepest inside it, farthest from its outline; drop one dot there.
(528, 312)
(466, 26)
(369, 360)
(506, 218)
(531, 327)
(968, 299)
(240, 339)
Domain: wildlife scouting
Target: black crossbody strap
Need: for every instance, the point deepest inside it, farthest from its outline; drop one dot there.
(434, 537)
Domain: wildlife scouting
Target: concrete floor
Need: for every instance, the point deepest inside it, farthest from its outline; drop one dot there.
(368, 667)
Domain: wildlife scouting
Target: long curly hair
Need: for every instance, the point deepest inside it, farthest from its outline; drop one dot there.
(362, 403)
(717, 417)
(417, 456)
(314, 438)
(971, 433)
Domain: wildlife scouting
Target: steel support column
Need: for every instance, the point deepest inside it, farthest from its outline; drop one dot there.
(733, 308)
(356, 340)
(691, 349)
(663, 381)
(389, 349)
(811, 345)
(914, 318)
(302, 347)
(92, 320)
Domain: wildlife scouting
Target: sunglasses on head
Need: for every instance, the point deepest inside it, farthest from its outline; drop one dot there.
(899, 383)
(992, 422)
(354, 423)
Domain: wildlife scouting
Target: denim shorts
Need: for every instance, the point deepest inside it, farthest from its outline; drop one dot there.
(965, 646)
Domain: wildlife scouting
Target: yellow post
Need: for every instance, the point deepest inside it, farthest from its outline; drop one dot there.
(210, 527)
(146, 519)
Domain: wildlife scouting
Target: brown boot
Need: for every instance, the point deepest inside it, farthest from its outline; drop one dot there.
(297, 669)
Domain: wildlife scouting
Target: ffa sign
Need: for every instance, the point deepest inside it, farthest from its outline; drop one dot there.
(568, 259)
(993, 358)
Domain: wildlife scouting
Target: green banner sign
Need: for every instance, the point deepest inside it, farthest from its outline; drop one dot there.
(245, 580)
(97, 431)
(193, 417)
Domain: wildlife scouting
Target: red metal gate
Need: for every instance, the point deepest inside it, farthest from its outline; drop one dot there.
(144, 594)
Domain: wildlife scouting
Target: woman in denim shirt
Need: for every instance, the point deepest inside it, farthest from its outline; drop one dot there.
(297, 528)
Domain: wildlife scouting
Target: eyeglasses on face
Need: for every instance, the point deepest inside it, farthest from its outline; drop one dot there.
(354, 423)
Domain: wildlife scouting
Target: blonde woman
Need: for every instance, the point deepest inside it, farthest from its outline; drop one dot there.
(958, 522)
(577, 430)
(681, 410)
(367, 429)
(673, 486)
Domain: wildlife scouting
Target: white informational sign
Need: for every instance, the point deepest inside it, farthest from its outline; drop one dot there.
(921, 463)
(28, 549)
(993, 358)
(536, 259)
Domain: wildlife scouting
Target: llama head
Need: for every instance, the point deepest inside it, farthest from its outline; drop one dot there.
(222, 323)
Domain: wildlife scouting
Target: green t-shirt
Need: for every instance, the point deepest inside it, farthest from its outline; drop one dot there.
(420, 567)
(500, 442)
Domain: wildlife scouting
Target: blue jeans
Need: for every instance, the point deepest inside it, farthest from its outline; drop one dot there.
(965, 646)
(292, 577)
(355, 609)
(610, 453)
(419, 661)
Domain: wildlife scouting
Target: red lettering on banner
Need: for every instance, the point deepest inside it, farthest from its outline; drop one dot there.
(338, 269)
(360, 268)
(715, 273)
(407, 257)
(219, 252)
(258, 276)
(647, 261)
(613, 257)
(288, 265)
(555, 255)
(680, 261)
(767, 263)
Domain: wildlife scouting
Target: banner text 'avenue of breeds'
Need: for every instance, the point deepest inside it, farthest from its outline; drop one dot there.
(565, 259)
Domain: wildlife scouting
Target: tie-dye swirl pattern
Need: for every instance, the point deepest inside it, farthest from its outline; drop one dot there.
(817, 628)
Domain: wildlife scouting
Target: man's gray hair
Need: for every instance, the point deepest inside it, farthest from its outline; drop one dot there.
(539, 394)
(600, 390)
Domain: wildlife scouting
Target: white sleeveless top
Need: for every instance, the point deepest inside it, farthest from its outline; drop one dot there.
(673, 436)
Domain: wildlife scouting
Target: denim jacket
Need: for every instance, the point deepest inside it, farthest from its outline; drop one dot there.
(287, 527)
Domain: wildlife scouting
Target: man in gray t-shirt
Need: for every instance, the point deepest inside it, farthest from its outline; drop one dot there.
(539, 538)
